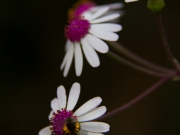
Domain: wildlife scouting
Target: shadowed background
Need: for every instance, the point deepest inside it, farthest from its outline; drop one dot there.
(32, 48)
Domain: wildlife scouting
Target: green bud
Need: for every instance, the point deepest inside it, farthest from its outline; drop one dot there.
(155, 5)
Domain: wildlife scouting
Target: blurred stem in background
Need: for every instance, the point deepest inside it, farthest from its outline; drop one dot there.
(156, 7)
(145, 66)
(122, 50)
(135, 66)
(139, 97)
(165, 42)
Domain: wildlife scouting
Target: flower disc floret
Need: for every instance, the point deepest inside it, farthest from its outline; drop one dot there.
(77, 29)
(59, 120)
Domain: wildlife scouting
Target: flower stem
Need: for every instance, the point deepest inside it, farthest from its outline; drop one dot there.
(137, 58)
(140, 97)
(165, 41)
(134, 66)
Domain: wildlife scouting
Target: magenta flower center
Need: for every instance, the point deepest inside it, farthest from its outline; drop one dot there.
(59, 120)
(77, 29)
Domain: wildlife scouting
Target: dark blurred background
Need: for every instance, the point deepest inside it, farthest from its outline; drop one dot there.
(32, 48)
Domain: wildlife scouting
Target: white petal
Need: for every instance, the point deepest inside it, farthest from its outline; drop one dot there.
(55, 105)
(98, 13)
(81, 132)
(95, 126)
(106, 35)
(90, 54)
(73, 96)
(69, 60)
(106, 18)
(120, 12)
(97, 43)
(88, 106)
(61, 94)
(107, 27)
(64, 60)
(87, 15)
(112, 6)
(45, 131)
(67, 45)
(66, 56)
(50, 115)
(92, 114)
(130, 0)
(78, 59)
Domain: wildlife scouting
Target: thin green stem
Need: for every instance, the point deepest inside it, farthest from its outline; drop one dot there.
(121, 49)
(134, 66)
(165, 41)
(139, 98)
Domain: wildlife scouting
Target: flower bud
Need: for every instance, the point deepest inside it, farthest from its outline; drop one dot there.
(155, 5)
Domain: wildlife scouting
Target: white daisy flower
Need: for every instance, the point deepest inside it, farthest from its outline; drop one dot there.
(86, 30)
(65, 122)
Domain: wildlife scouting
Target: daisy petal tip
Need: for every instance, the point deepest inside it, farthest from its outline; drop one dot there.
(76, 86)
(78, 74)
(99, 99)
(61, 92)
(105, 126)
(65, 74)
(95, 66)
(105, 51)
(108, 127)
(76, 83)
(115, 37)
(45, 131)
(116, 15)
(104, 108)
(119, 27)
(60, 88)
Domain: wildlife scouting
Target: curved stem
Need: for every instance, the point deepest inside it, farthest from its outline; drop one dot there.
(137, 58)
(165, 41)
(134, 66)
(138, 98)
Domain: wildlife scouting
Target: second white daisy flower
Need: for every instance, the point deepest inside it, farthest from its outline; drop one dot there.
(86, 31)
(64, 122)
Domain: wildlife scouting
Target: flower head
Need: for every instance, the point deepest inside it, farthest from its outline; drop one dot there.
(88, 26)
(63, 121)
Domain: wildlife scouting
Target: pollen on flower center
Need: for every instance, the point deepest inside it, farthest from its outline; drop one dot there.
(59, 121)
(77, 29)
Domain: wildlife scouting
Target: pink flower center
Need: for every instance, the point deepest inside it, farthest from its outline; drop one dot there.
(59, 120)
(77, 29)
